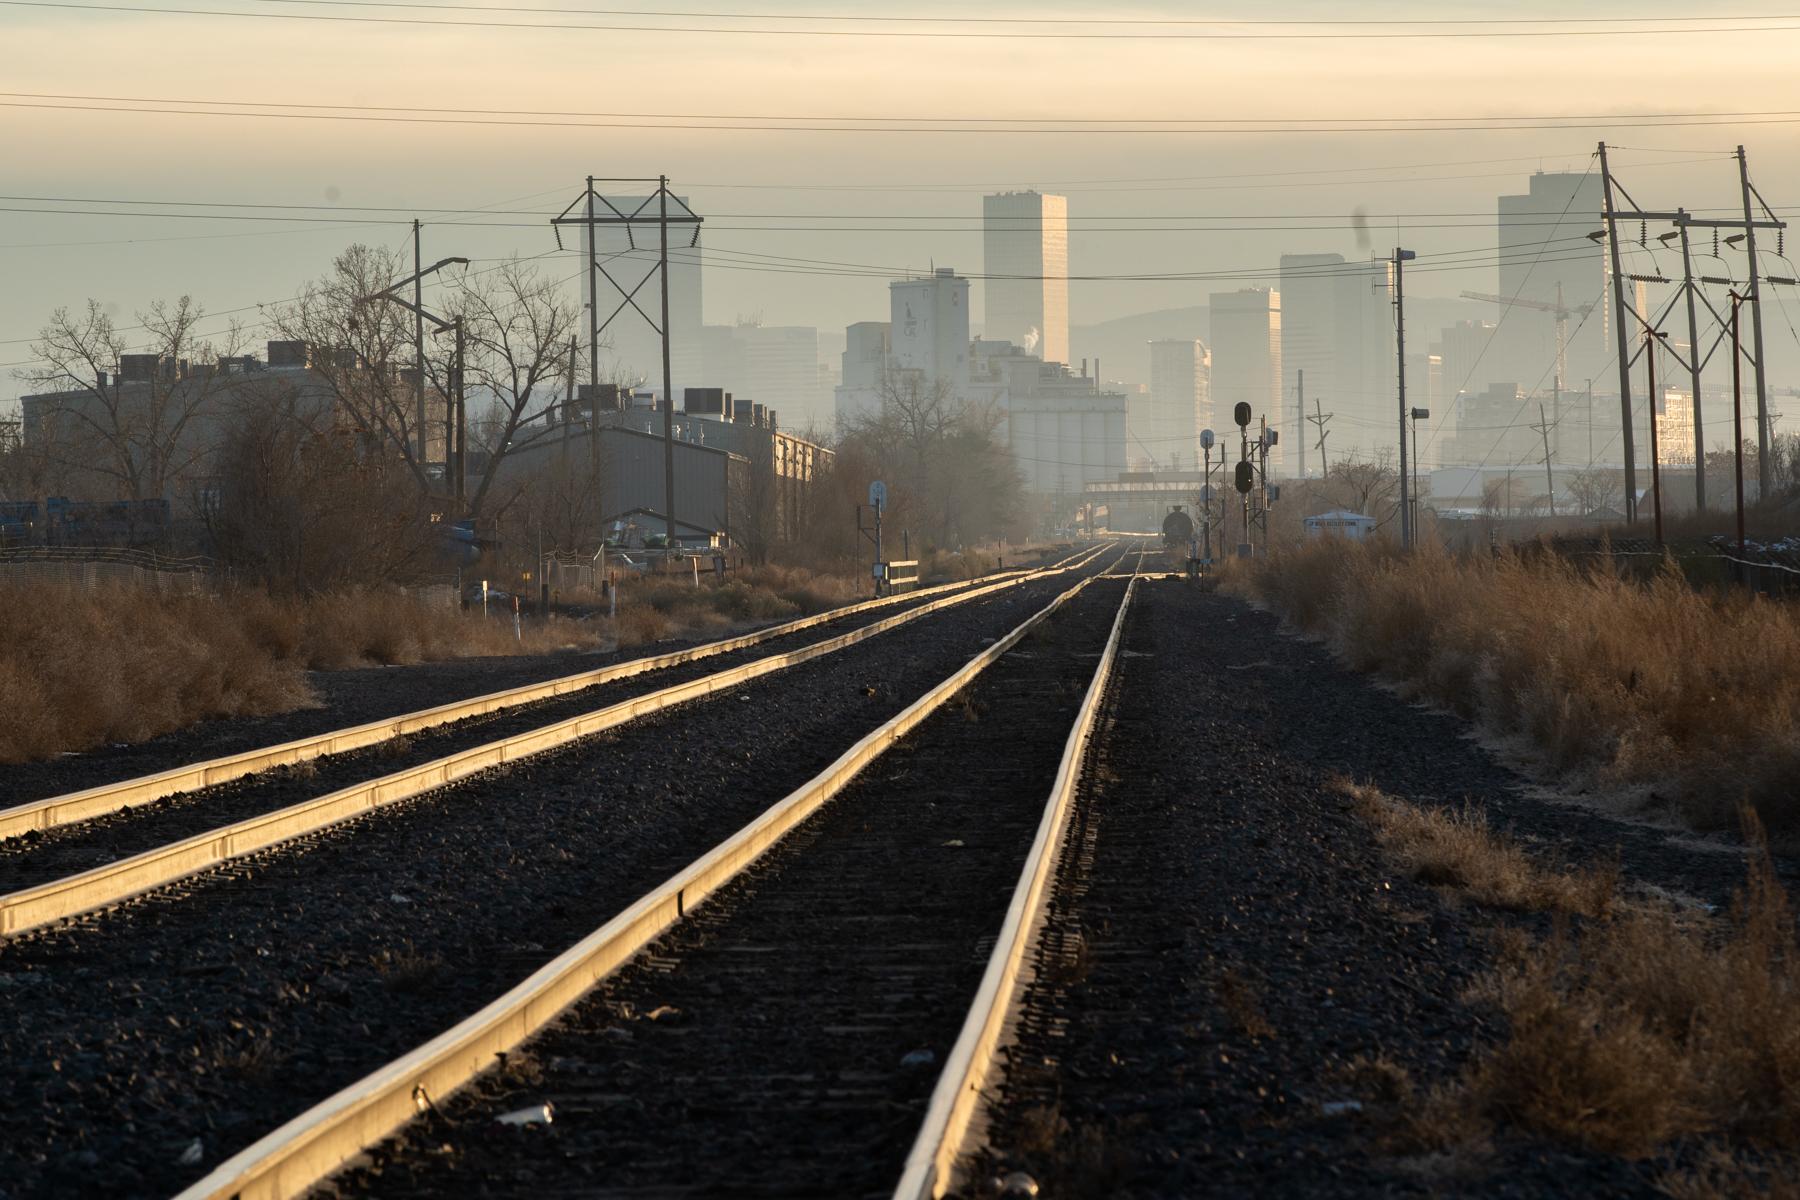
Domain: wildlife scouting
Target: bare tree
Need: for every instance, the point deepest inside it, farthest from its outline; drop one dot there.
(302, 508)
(1595, 489)
(140, 435)
(517, 326)
(1370, 487)
(355, 346)
(949, 477)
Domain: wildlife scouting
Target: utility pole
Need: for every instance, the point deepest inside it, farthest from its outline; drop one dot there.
(1651, 341)
(1737, 414)
(461, 486)
(1543, 427)
(1401, 257)
(1319, 420)
(452, 385)
(418, 306)
(593, 283)
(569, 404)
(1590, 416)
(1754, 296)
(1610, 213)
(1694, 364)
(1301, 423)
(662, 227)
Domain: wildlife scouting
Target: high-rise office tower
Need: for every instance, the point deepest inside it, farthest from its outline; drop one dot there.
(1165, 425)
(1025, 257)
(630, 350)
(1246, 365)
(1335, 326)
(1547, 259)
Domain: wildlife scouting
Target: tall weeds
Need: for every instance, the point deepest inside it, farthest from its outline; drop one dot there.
(83, 668)
(1614, 681)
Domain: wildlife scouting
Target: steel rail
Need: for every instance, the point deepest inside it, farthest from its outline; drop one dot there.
(294, 1158)
(945, 1133)
(73, 807)
(117, 881)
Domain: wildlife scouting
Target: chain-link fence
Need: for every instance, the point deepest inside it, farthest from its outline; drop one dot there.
(97, 567)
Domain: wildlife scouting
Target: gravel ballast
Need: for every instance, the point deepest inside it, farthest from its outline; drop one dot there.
(215, 1009)
(1227, 939)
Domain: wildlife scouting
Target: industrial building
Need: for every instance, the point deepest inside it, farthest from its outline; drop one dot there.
(739, 480)
(169, 415)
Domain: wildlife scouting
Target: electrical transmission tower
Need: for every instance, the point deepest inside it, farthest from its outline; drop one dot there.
(630, 216)
(1690, 291)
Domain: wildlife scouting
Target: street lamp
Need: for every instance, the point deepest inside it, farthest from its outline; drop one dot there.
(455, 415)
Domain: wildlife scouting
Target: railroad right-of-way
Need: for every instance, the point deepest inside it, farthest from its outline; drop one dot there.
(158, 1037)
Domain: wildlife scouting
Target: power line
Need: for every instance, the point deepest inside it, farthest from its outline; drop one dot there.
(1411, 31)
(673, 14)
(920, 125)
(951, 120)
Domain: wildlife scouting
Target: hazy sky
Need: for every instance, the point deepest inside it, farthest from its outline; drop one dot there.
(912, 198)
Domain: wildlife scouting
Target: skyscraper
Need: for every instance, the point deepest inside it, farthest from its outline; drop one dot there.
(1025, 256)
(1166, 424)
(1336, 327)
(1546, 259)
(630, 350)
(1246, 364)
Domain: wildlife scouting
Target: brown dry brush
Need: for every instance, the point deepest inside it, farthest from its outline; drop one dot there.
(1634, 1028)
(1616, 682)
(1649, 1028)
(82, 668)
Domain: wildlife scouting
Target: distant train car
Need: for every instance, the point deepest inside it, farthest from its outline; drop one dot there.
(1177, 530)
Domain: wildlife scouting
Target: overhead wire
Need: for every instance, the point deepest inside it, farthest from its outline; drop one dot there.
(1323, 31)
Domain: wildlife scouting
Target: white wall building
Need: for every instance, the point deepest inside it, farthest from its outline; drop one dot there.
(929, 326)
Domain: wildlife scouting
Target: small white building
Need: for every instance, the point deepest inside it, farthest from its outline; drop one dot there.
(1340, 522)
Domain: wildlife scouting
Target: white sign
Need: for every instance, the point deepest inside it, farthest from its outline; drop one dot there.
(878, 494)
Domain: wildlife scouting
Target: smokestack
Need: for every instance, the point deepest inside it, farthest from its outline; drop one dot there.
(1084, 368)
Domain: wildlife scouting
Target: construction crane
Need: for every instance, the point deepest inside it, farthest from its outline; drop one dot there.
(1561, 311)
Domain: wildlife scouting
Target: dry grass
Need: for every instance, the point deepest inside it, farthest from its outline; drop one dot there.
(83, 668)
(1636, 1030)
(1616, 682)
(1457, 850)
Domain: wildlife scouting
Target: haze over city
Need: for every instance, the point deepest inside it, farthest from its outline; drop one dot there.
(800, 598)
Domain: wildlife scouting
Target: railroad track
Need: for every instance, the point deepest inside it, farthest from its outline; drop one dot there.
(211, 1010)
(88, 850)
(811, 1007)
